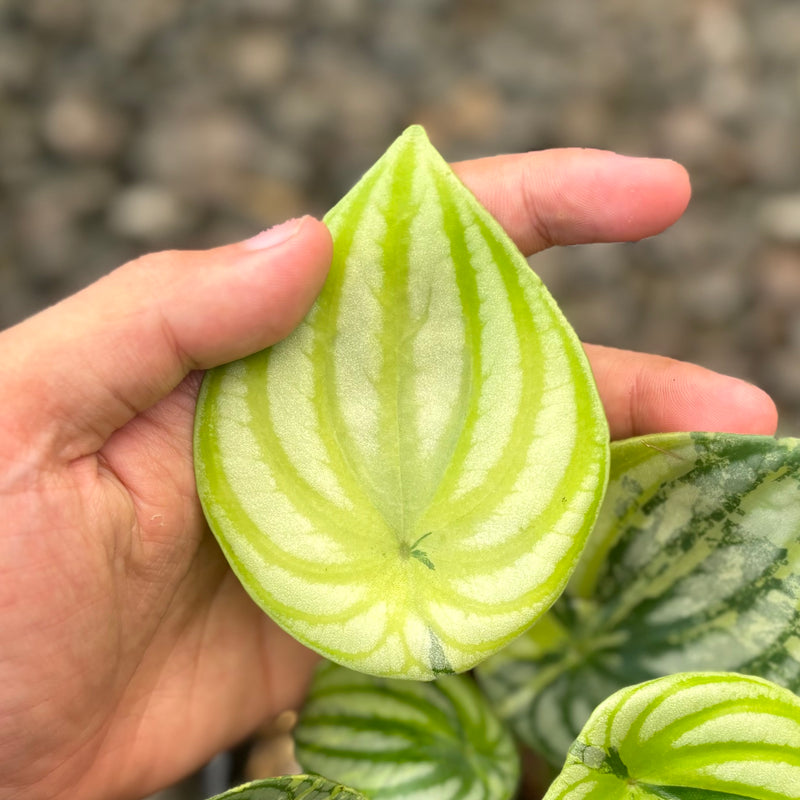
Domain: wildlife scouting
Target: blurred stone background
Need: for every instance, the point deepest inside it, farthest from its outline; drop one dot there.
(132, 125)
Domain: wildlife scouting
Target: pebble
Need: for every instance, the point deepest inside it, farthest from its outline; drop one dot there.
(779, 217)
(148, 213)
(779, 277)
(258, 60)
(78, 126)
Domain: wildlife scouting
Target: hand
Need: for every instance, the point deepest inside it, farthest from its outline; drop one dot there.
(129, 654)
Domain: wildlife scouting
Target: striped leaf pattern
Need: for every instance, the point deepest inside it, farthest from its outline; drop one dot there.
(406, 482)
(690, 736)
(694, 565)
(291, 787)
(406, 740)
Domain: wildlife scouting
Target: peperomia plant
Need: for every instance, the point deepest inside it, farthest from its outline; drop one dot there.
(407, 483)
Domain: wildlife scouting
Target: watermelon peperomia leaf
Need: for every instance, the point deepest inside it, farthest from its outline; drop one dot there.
(406, 482)
(291, 787)
(689, 736)
(694, 565)
(406, 739)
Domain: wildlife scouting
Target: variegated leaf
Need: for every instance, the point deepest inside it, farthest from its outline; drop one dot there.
(406, 740)
(694, 565)
(405, 483)
(690, 736)
(291, 787)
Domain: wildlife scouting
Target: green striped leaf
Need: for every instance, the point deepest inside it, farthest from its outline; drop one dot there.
(406, 740)
(291, 787)
(694, 565)
(690, 736)
(406, 482)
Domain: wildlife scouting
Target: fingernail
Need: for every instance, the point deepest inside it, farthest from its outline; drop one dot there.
(274, 236)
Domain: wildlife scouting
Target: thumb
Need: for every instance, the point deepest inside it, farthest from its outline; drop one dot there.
(78, 371)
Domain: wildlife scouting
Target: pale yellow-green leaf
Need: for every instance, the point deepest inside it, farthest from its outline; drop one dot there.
(689, 736)
(406, 482)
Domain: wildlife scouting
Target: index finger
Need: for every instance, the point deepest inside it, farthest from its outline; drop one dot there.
(575, 196)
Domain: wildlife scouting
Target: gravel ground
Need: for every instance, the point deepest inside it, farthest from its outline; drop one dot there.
(132, 125)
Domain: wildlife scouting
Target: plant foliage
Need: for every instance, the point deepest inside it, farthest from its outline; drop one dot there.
(690, 736)
(694, 565)
(406, 739)
(291, 787)
(406, 482)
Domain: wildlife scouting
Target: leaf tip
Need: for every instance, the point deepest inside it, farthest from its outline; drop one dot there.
(415, 133)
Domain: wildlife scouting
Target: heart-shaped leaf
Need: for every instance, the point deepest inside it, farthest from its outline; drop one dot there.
(690, 736)
(694, 565)
(406, 739)
(291, 787)
(406, 482)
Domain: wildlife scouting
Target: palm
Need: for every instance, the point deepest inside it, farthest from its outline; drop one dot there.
(160, 620)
